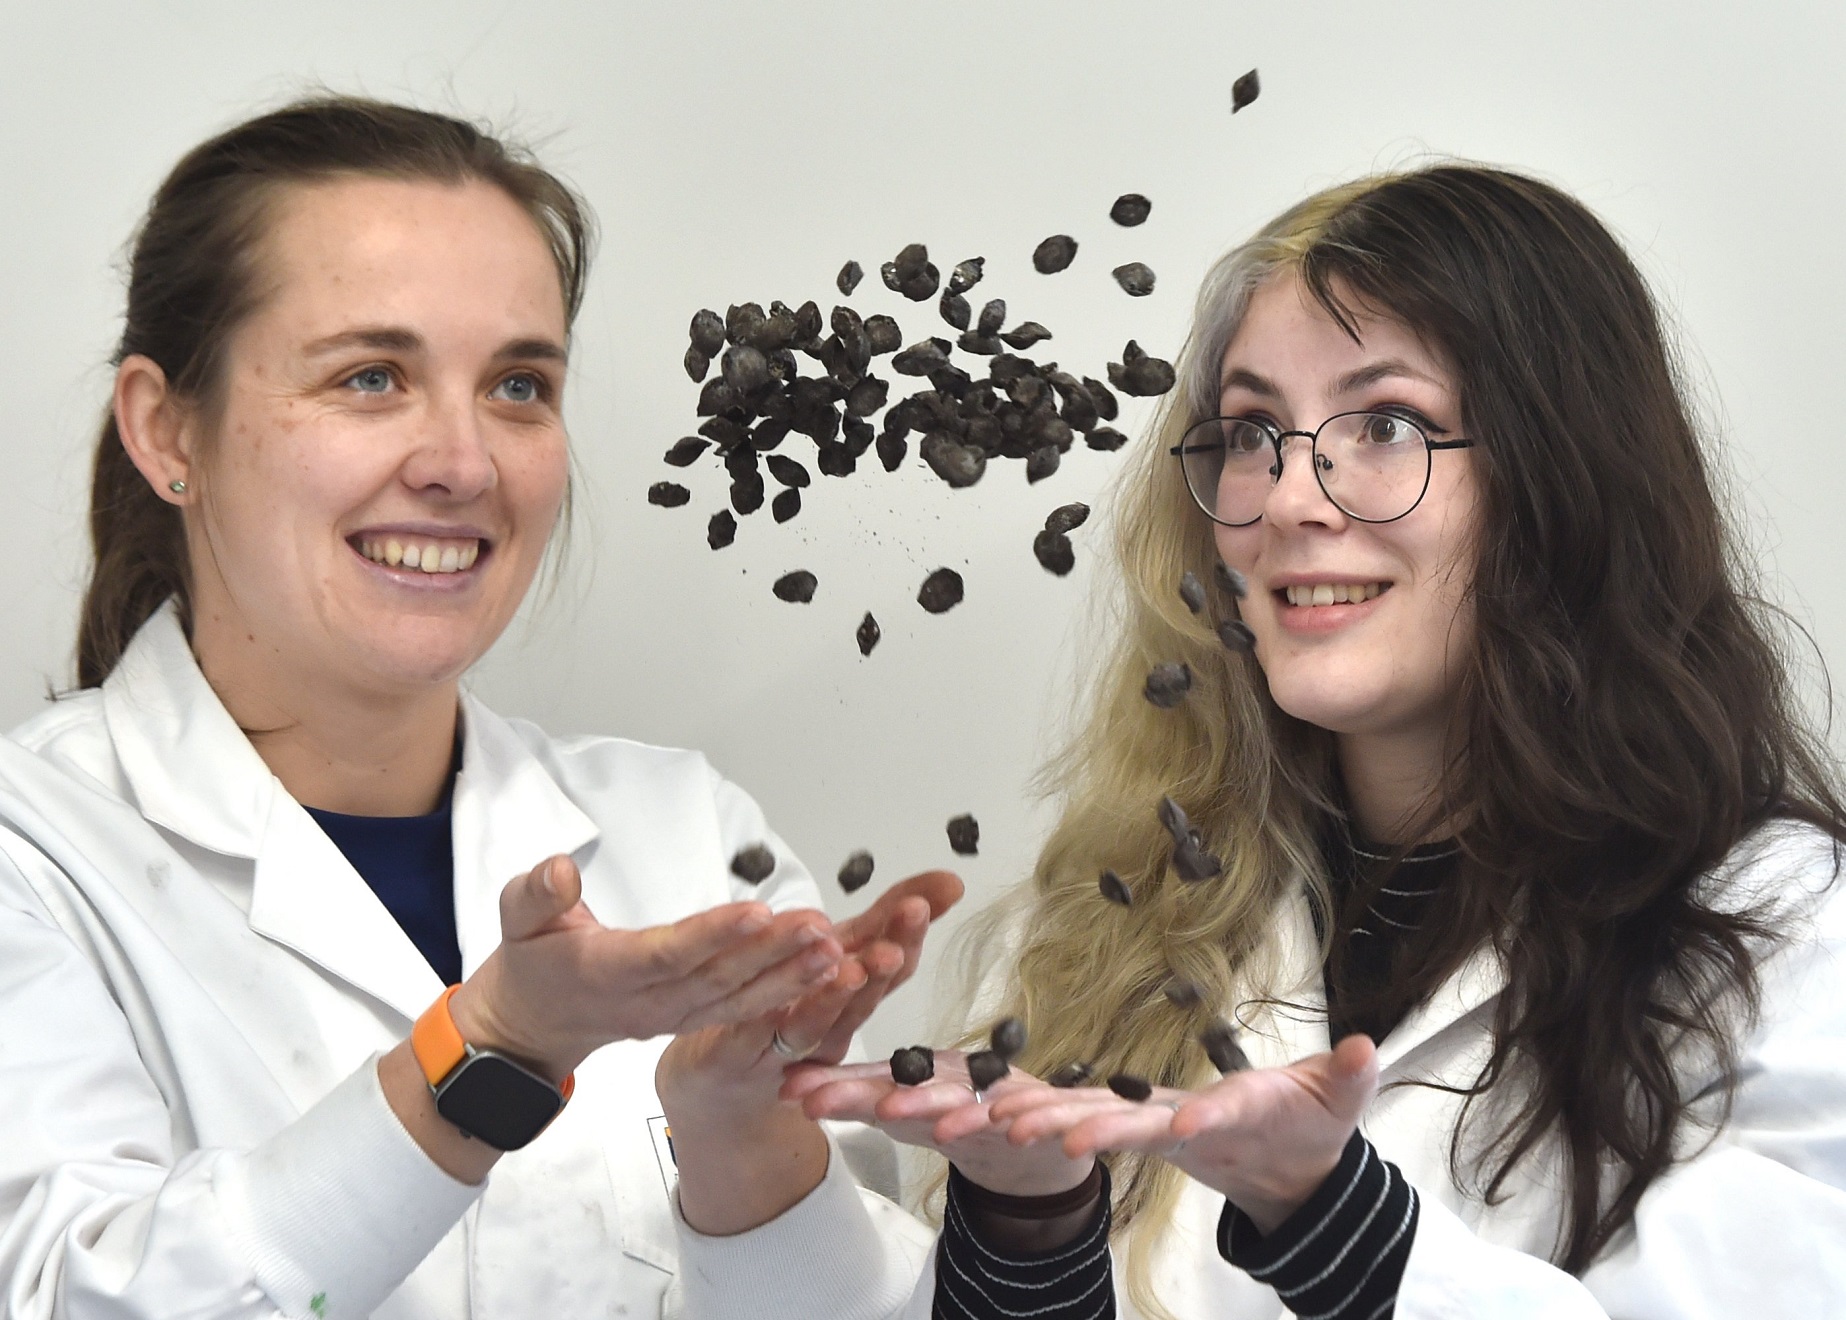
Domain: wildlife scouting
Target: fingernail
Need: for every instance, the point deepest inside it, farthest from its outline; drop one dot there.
(815, 962)
(753, 920)
(544, 879)
(811, 935)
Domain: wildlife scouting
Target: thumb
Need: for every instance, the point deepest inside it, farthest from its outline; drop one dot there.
(1354, 1074)
(531, 902)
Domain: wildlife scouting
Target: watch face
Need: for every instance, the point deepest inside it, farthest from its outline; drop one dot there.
(491, 1098)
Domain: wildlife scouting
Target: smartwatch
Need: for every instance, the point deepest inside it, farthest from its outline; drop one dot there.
(484, 1093)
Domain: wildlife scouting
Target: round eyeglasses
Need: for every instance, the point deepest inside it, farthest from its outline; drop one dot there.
(1373, 466)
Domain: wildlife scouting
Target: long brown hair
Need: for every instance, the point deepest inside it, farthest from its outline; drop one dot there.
(194, 278)
(1625, 717)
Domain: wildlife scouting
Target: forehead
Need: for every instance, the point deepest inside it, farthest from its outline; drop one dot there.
(1287, 338)
(401, 250)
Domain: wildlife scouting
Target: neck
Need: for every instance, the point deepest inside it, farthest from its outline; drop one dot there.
(1393, 781)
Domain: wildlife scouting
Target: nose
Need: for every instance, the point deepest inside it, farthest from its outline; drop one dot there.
(453, 458)
(1297, 499)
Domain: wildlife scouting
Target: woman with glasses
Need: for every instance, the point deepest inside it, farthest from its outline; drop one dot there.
(1467, 941)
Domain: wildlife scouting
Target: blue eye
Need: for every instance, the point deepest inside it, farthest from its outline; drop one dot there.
(520, 388)
(371, 380)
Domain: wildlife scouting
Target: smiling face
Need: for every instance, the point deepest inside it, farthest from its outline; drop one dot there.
(388, 457)
(1360, 627)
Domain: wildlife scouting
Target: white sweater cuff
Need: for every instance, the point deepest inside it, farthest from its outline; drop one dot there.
(839, 1252)
(336, 1209)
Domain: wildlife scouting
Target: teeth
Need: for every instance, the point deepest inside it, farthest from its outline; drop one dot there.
(427, 557)
(1334, 593)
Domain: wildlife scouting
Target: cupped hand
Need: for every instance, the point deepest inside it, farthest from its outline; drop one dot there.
(1266, 1138)
(562, 984)
(944, 1115)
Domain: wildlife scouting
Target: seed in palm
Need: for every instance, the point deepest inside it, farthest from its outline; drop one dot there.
(1192, 591)
(941, 591)
(1221, 1047)
(848, 278)
(707, 332)
(1130, 1087)
(1115, 889)
(965, 835)
(1235, 635)
(1054, 553)
(1192, 863)
(1008, 1038)
(868, 633)
(1230, 580)
(966, 275)
(785, 505)
(913, 1065)
(1245, 90)
(1054, 254)
(1130, 209)
(754, 864)
(686, 450)
(721, 530)
(1071, 1074)
(1182, 993)
(1167, 684)
(985, 1068)
(668, 494)
(856, 872)
(1067, 517)
(796, 588)
(1136, 279)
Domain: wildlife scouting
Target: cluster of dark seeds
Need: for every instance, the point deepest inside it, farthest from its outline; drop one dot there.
(965, 835)
(1221, 1047)
(1245, 90)
(1130, 1087)
(913, 1065)
(754, 864)
(856, 872)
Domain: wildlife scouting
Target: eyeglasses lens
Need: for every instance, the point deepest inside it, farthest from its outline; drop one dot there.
(1373, 466)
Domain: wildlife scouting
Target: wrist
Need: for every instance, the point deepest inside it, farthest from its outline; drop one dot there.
(1270, 1206)
(733, 1179)
(482, 1024)
(1028, 1178)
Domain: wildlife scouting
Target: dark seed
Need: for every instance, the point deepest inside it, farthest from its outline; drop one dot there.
(721, 530)
(1130, 1087)
(1221, 1047)
(1192, 591)
(746, 369)
(958, 464)
(1245, 90)
(965, 835)
(1136, 279)
(668, 494)
(1067, 517)
(912, 259)
(921, 359)
(796, 588)
(1130, 209)
(1053, 551)
(707, 332)
(941, 591)
(1041, 463)
(747, 493)
(1008, 1039)
(867, 397)
(1100, 395)
(883, 334)
(993, 316)
(1054, 254)
(955, 310)
(1182, 993)
(1231, 580)
(1139, 374)
(1105, 438)
(1026, 334)
(807, 318)
(848, 279)
(980, 345)
(966, 275)
(891, 450)
(1115, 889)
(1071, 1074)
(856, 872)
(753, 864)
(785, 505)
(741, 322)
(1193, 863)
(786, 470)
(1167, 684)
(985, 1068)
(913, 1065)
(697, 364)
(685, 451)
(868, 633)
(1235, 635)
(1173, 820)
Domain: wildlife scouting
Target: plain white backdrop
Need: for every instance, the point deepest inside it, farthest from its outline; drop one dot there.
(744, 151)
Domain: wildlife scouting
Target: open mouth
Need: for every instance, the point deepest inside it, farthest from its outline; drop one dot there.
(421, 554)
(1332, 593)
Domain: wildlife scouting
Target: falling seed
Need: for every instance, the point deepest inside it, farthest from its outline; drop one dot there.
(867, 397)
(1100, 395)
(1182, 993)
(883, 334)
(721, 530)
(786, 470)
(1071, 1074)
(747, 493)
(966, 275)
(1067, 517)
(856, 872)
(1008, 1039)
(1105, 438)
(1041, 463)
(993, 316)
(1136, 279)
(913, 1065)
(753, 865)
(1221, 1047)
(1231, 580)
(958, 464)
(668, 494)
(1139, 374)
(848, 279)
(1192, 863)
(1173, 820)
(965, 835)
(955, 310)
(1054, 254)
(941, 591)
(685, 452)
(697, 364)
(1235, 635)
(1130, 209)
(1130, 1087)
(868, 633)
(1192, 591)
(985, 1068)
(980, 345)
(796, 588)
(1245, 90)
(1115, 889)
(922, 358)
(1167, 684)
(785, 505)
(891, 451)
(1054, 553)
(745, 369)
(1026, 334)
(707, 332)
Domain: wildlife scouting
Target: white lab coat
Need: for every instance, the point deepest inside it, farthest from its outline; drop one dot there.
(194, 988)
(1754, 1226)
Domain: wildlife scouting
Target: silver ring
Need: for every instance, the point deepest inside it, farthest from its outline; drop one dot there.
(786, 1050)
(979, 1099)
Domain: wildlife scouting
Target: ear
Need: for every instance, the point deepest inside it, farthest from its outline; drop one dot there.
(152, 422)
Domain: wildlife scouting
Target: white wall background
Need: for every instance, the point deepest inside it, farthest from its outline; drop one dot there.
(743, 151)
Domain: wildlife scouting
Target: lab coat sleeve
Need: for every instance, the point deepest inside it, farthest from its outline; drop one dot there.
(103, 1214)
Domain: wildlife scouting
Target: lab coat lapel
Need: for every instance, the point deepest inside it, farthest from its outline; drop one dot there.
(1473, 986)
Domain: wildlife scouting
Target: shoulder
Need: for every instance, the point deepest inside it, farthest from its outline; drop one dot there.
(72, 734)
(596, 764)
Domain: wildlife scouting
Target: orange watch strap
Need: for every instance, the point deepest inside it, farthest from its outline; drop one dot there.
(439, 1047)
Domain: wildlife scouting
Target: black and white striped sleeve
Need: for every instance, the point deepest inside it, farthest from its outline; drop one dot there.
(1340, 1256)
(976, 1282)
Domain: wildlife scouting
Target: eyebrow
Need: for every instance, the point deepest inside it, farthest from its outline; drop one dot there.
(397, 339)
(1353, 381)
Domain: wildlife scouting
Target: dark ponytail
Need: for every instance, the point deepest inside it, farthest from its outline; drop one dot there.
(193, 281)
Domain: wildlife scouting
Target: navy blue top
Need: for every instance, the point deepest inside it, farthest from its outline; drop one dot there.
(409, 861)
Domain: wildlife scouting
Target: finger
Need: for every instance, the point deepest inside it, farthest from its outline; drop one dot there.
(776, 988)
(803, 1079)
(740, 962)
(809, 1024)
(967, 1119)
(1354, 1073)
(1053, 1118)
(1127, 1126)
(532, 902)
(926, 1103)
(670, 953)
(856, 1099)
(880, 963)
(939, 890)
